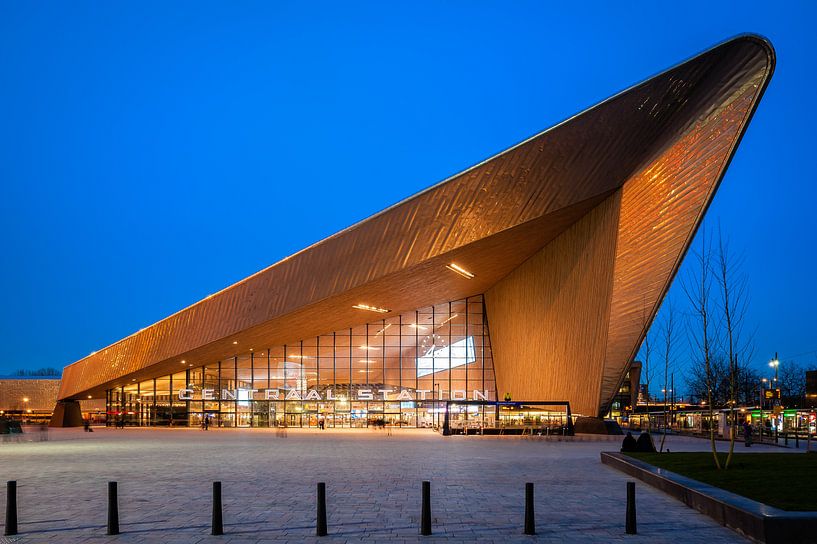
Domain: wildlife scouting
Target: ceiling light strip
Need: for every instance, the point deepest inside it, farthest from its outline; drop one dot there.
(371, 308)
(460, 270)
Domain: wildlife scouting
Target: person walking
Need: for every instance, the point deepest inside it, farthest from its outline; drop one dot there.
(747, 434)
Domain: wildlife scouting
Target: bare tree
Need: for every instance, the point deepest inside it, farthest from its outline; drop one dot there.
(748, 381)
(669, 335)
(792, 383)
(733, 302)
(712, 386)
(647, 368)
(697, 288)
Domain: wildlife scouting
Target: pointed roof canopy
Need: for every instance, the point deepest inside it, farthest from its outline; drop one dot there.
(664, 144)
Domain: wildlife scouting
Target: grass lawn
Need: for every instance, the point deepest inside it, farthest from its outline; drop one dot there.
(784, 480)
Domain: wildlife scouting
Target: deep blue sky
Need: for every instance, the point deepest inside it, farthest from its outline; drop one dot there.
(154, 153)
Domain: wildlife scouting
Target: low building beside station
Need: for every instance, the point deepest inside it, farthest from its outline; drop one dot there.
(31, 400)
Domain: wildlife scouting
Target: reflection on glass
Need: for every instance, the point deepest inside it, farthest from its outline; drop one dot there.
(445, 357)
(395, 371)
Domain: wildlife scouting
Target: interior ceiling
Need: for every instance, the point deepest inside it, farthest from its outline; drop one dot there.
(489, 219)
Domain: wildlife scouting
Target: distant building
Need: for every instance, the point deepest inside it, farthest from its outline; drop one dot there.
(31, 400)
(628, 394)
(811, 389)
(28, 399)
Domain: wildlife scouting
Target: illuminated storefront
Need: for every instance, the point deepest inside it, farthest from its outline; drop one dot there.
(395, 371)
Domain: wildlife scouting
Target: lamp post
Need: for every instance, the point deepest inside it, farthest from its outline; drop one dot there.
(436, 405)
(760, 427)
(774, 363)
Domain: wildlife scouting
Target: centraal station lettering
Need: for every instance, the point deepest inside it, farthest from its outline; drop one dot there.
(361, 394)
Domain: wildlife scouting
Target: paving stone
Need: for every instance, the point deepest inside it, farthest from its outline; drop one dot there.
(373, 488)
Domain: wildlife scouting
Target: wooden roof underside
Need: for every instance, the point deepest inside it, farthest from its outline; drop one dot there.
(489, 219)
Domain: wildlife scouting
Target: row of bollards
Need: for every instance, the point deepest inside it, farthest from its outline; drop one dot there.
(321, 527)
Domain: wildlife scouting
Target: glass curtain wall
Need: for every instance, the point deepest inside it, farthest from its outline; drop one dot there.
(395, 371)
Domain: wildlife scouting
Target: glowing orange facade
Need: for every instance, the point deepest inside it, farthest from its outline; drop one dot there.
(549, 262)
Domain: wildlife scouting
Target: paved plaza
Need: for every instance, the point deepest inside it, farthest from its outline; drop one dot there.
(373, 488)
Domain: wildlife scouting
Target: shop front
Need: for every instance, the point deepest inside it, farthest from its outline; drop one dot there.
(398, 372)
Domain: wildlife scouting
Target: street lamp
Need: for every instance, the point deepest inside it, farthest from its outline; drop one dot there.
(760, 427)
(774, 363)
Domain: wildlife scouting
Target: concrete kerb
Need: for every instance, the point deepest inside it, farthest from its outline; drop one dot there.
(750, 518)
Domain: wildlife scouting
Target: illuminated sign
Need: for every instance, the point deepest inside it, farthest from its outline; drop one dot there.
(244, 396)
(437, 359)
(771, 393)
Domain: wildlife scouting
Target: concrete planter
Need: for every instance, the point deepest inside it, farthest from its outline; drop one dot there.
(749, 518)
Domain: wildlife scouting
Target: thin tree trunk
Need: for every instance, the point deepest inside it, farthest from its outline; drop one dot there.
(698, 293)
(732, 316)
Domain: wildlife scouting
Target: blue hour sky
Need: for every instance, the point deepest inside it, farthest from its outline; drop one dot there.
(152, 153)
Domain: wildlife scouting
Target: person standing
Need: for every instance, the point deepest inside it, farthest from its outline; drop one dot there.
(747, 434)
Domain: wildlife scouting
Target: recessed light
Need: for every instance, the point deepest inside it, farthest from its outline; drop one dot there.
(371, 308)
(460, 270)
(183, 361)
(235, 342)
(89, 396)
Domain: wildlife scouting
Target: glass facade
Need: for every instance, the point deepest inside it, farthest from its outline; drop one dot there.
(394, 371)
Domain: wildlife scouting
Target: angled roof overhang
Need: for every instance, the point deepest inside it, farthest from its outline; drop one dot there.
(489, 218)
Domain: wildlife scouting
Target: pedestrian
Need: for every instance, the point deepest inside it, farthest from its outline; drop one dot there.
(206, 423)
(747, 434)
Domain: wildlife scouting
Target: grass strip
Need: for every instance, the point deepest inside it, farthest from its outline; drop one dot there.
(784, 480)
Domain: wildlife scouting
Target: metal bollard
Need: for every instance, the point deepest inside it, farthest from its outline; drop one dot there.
(630, 524)
(530, 524)
(321, 529)
(11, 508)
(218, 523)
(113, 509)
(425, 521)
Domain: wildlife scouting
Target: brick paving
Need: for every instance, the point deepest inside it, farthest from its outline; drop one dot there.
(373, 488)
